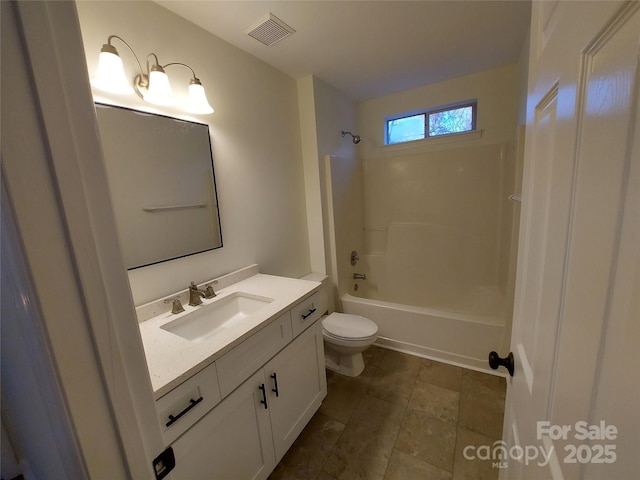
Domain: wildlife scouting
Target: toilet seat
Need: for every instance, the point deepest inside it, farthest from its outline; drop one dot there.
(344, 326)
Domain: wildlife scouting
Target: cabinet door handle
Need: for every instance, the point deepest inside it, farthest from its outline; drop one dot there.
(275, 384)
(192, 403)
(309, 313)
(264, 396)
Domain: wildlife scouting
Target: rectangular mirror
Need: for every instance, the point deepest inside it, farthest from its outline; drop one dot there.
(162, 182)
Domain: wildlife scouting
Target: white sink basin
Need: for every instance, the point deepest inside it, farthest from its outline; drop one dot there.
(208, 320)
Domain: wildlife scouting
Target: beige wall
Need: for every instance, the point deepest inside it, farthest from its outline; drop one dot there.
(309, 136)
(496, 91)
(255, 137)
(334, 181)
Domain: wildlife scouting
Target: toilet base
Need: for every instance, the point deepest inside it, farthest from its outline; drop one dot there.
(348, 365)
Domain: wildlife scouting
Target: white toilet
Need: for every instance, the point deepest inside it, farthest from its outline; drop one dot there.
(345, 338)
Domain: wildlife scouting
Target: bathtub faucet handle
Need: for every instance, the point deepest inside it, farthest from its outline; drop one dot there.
(359, 276)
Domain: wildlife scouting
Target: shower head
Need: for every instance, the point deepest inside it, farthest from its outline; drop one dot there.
(356, 138)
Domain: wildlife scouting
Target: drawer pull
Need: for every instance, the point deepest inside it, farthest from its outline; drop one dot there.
(193, 403)
(264, 396)
(309, 313)
(275, 384)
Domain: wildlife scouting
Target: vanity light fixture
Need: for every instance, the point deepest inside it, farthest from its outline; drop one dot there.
(152, 86)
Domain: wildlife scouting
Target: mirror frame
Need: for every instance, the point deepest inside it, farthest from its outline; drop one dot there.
(214, 197)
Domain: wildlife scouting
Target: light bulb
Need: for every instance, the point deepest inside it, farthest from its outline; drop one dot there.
(159, 90)
(197, 101)
(110, 76)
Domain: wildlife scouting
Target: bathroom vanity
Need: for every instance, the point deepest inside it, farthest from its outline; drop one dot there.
(237, 378)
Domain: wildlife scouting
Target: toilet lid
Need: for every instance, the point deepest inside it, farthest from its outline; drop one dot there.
(344, 325)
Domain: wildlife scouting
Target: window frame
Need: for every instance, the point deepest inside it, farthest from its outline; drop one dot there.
(427, 113)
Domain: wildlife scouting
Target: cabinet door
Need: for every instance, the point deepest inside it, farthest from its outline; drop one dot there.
(301, 384)
(232, 442)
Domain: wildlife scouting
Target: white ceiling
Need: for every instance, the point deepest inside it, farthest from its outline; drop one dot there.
(368, 48)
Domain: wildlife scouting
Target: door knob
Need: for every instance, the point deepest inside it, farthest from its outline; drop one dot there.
(507, 362)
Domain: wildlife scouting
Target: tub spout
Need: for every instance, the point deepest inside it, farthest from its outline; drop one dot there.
(359, 276)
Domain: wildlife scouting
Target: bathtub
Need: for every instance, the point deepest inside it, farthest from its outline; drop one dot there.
(455, 338)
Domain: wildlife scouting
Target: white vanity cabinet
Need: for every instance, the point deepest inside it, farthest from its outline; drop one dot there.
(232, 442)
(298, 373)
(271, 385)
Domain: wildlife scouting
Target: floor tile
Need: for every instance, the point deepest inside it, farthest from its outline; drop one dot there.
(482, 404)
(440, 374)
(344, 394)
(324, 476)
(403, 418)
(407, 467)
(494, 383)
(373, 355)
(428, 438)
(437, 402)
(466, 466)
(395, 377)
(392, 361)
(393, 386)
(365, 446)
(312, 448)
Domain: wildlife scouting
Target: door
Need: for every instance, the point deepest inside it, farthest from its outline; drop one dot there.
(232, 442)
(298, 385)
(57, 190)
(572, 403)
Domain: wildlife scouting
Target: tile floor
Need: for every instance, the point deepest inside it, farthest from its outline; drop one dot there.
(404, 418)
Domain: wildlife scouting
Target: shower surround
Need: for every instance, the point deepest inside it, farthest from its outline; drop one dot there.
(438, 252)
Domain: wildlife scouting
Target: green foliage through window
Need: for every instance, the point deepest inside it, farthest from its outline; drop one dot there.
(431, 123)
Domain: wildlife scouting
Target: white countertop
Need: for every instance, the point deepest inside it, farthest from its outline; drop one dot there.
(172, 359)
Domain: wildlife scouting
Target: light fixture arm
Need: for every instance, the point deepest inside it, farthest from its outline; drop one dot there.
(143, 79)
(183, 64)
(108, 44)
(194, 79)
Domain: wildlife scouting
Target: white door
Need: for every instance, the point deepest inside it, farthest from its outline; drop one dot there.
(572, 404)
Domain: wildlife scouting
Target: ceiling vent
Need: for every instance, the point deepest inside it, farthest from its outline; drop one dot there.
(269, 30)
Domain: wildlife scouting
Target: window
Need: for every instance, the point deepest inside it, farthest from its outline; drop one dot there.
(431, 123)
